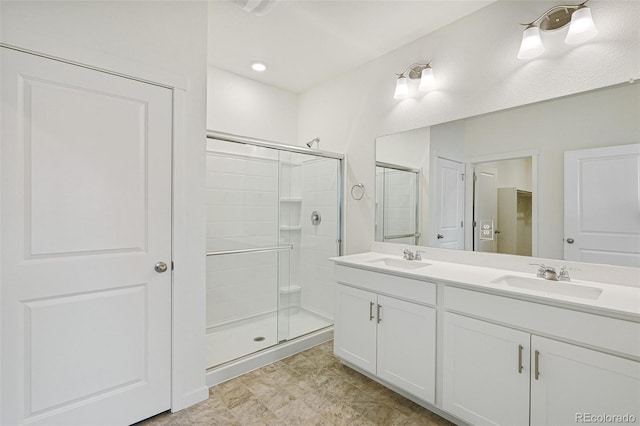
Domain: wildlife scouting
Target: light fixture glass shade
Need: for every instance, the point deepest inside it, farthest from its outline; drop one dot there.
(531, 45)
(402, 88)
(582, 27)
(426, 79)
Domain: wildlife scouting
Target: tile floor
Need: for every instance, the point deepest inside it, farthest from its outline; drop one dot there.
(310, 388)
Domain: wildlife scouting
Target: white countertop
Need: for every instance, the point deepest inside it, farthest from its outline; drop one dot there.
(617, 300)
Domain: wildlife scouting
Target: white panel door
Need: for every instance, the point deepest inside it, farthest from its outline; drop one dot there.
(575, 382)
(485, 209)
(602, 205)
(485, 372)
(86, 214)
(449, 205)
(407, 346)
(355, 327)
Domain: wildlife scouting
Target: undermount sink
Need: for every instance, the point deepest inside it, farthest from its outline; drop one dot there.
(550, 287)
(399, 263)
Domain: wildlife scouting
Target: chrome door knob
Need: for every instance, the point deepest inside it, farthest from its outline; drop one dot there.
(160, 267)
(570, 240)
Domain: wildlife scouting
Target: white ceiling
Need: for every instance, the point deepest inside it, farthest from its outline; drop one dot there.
(307, 42)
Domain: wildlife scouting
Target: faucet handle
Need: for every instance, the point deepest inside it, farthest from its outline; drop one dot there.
(541, 269)
(418, 255)
(564, 274)
(408, 254)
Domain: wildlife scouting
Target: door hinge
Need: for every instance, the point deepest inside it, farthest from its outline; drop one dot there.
(461, 224)
(172, 265)
(475, 177)
(462, 177)
(474, 224)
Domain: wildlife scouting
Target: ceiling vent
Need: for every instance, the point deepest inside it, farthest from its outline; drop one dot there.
(256, 7)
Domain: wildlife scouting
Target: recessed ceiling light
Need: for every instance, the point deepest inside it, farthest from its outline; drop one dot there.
(258, 66)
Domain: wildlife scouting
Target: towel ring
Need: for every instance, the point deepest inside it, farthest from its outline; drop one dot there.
(357, 191)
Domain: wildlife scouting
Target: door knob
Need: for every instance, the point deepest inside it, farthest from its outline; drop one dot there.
(160, 267)
(570, 240)
(440, 236)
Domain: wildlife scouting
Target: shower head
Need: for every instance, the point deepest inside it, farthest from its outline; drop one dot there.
(312, 141)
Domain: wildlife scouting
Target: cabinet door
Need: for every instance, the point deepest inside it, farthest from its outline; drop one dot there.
(485, 372)
(574, 383)
(406, 346)
(355, 327)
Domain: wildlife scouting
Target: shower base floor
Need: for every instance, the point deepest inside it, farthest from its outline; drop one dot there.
(235, 340)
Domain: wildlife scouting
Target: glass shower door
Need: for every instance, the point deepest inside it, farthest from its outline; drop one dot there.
(310, 205)
(244, 251)
(397, 205)
(272, 224)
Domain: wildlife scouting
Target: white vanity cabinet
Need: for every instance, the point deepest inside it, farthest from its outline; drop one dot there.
(390, 338)
(485, 372)
(497, 375)
(504, 358)
(575, 382)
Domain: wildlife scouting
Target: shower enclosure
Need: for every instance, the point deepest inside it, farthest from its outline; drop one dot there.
(274, 217)
(397, 204)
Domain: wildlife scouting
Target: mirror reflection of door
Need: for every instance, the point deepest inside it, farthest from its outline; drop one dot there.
(449, 205)
(503, 206)
(601, 210)
(485, 209)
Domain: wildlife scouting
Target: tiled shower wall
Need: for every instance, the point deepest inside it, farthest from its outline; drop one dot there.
(319, 242)
(242, 211)
(243, 202)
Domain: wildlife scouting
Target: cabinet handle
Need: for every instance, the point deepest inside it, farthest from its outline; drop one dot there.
(378, 311)
(371, 311)
(520, 349)
(537, 362)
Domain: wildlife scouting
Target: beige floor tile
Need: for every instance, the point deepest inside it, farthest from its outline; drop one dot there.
(310, 388)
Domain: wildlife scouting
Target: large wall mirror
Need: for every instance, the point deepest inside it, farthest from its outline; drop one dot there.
(556, 179)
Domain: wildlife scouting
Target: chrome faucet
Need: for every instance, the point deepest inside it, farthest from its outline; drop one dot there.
(408, 255)
(546, 272)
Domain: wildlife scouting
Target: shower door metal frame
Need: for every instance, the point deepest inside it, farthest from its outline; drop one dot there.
(416, 234)
(229, 137)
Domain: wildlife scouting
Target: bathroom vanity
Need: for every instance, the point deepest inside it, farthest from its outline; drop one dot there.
(486, 345)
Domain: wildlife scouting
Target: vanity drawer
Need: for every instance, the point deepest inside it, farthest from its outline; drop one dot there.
(597, 330)
(392, 285)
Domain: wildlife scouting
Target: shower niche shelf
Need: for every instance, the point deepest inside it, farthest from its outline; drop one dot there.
(290, 214)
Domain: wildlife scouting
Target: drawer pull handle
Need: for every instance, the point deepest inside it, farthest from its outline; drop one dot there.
(371, 311)
(537, 362)
(378, 312)
(520, 349)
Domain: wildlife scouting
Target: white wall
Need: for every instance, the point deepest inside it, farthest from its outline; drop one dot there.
(476, 70)
(513, 173)
(246, 107)
(161, 41)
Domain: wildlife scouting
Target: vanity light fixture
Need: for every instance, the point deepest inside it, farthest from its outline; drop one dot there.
(424, 72)
(578, 17)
